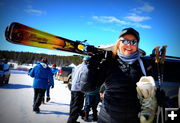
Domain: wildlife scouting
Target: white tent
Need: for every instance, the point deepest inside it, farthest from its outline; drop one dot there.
(72, 65)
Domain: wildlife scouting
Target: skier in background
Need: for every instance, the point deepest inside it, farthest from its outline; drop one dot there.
(43, 76)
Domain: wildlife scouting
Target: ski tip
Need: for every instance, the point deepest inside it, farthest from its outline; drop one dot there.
(8, 31)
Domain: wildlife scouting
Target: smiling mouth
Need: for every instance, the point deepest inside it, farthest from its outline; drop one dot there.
(128, 50)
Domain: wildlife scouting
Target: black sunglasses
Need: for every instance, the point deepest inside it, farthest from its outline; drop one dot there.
(126, 41)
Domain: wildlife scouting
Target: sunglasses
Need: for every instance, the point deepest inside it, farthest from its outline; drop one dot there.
(126, 41)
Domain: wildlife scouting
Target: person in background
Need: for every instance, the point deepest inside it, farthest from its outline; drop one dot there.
(43, 76)
(119, 73)
(29, 70)
(54, 71)
(102, 91)
(91, 101)
(77, 97)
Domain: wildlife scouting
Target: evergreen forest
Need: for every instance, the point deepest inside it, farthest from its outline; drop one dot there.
(32, 58)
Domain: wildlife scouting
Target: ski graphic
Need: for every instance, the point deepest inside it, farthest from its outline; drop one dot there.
(21, 34)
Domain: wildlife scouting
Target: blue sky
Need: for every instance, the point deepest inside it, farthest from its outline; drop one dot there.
(98, 21)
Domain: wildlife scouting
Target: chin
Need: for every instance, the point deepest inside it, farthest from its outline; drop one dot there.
(127, 54)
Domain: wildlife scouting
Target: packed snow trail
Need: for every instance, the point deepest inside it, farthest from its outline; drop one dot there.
(17, 97)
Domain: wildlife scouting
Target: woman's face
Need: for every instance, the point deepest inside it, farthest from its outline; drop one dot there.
(128, 49)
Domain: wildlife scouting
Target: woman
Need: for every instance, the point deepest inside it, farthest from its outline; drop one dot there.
(120, 74)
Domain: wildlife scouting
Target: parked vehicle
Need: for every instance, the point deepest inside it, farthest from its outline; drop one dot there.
(169, 95)
(65, 74)
(4, 73)
(171, 80)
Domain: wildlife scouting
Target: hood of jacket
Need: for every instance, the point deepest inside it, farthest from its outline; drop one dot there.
(44, 65)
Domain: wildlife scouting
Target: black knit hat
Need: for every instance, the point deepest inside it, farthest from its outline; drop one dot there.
(44, 59)
(130, 31)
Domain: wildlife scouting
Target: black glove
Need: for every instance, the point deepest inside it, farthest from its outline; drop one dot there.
(52, 86)
(97, 58)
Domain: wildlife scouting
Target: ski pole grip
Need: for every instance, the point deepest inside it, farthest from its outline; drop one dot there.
(163, 55)
(157, 54)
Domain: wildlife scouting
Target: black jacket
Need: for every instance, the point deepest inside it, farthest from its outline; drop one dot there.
(120, 82)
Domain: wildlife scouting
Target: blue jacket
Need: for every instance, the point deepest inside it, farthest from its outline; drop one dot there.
(42, 75)
(54, 70)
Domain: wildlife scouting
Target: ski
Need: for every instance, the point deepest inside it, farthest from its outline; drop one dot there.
(18, 33)
(21, 34)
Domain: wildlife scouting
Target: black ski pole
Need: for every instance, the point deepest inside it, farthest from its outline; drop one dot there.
(157, 61)
(162, 60)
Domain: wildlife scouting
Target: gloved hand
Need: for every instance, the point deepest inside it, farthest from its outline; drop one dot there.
(97, 58)
(52, 86)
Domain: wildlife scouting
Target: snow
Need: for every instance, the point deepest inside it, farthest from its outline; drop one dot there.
(17, 97)
(25, 66)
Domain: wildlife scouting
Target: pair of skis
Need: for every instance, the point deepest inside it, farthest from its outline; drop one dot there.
(21, 34)
(160, 56)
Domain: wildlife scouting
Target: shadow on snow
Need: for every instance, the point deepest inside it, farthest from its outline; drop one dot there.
(15, 86)
(53, 112)
(55, 103)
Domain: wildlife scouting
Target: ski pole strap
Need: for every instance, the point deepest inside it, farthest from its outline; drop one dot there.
(142, 66)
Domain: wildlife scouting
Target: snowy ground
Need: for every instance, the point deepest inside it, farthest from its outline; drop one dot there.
(16, 102)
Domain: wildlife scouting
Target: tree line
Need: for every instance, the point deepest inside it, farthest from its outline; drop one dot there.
(32, 58)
